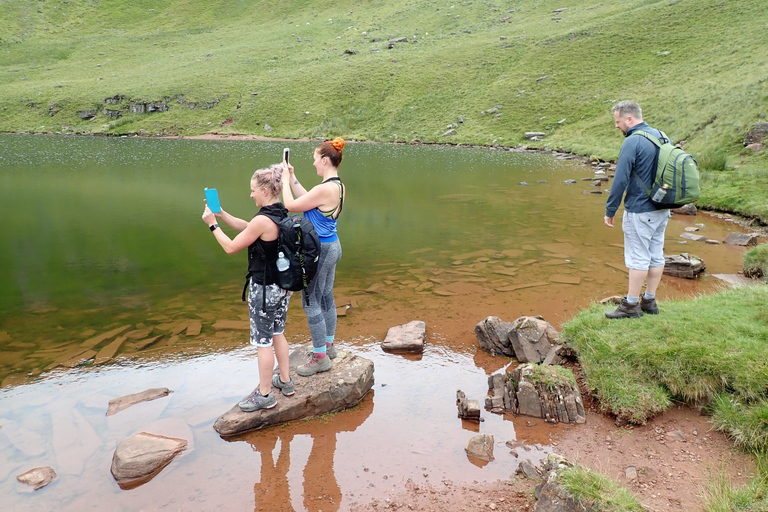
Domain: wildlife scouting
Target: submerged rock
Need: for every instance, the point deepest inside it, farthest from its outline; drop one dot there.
(37, 478)
(140, 457)
(118, 404)
(342, 387)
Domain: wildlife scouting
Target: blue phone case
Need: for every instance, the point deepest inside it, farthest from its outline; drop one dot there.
(212, 198)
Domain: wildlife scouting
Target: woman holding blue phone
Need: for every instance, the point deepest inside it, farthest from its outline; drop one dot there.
(267, 302)
(322, 206)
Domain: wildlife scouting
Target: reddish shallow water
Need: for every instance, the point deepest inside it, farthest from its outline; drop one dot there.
(406, 428)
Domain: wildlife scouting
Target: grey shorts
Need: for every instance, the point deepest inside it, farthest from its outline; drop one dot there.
(265, 324)
(644, 238)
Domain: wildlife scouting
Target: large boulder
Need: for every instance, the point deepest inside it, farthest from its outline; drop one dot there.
(684, 265)
(493, 335)
(140, 457)
(757, 134)
(406, 338)
(342, 387)
(528, 339)
(548, 392)
(532, 337)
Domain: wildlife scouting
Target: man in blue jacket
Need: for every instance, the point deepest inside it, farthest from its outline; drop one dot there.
(643, 224)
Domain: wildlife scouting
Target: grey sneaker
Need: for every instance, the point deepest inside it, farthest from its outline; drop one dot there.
(285, 387)
(649, 306)
(330, 350)
(316, 365)
(256, 401)
(625, 310)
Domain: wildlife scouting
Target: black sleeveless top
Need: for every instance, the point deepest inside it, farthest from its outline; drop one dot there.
(262, 256)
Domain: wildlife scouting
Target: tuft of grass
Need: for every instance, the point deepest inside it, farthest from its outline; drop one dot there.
(637, 367)
(756, 261)
(598, 492)
(745, 422)
(552, 377)
(713, 160)
(720, 495)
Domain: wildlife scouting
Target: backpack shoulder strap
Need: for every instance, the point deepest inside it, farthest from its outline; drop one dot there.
(658, 142)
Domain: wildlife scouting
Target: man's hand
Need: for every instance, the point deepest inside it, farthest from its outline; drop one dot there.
(608, 221)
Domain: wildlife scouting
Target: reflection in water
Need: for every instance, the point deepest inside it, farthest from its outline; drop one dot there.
(319, 488)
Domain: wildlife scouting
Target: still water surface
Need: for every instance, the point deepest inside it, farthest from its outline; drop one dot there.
(102, 233)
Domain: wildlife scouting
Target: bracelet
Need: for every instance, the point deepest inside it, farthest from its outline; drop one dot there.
(213, 227)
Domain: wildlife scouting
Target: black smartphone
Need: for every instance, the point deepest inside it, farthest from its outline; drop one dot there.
(286, 154)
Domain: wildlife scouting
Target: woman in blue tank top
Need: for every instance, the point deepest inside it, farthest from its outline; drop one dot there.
(322, 206)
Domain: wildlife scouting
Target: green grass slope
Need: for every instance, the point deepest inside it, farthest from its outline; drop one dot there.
(310, 69)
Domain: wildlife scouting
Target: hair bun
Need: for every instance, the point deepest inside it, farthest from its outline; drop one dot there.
(338, 143)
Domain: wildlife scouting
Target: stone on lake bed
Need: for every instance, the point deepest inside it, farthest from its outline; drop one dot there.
(140, 457)
(101, 338)
(118, 404)
(342, 387)
(564, 279)
(693, 237)
(232, 325)
(37, 478)
(406, 338)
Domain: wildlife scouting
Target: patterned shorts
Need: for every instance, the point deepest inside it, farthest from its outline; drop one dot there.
(265, 324)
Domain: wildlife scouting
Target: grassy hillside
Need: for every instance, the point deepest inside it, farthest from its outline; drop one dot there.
(698, 68)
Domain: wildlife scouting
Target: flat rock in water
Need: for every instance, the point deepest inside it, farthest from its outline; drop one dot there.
(406, 338)
(684, 265)
(37, 478)
(342, 387)
(692, 236)
(140, 457)
(118, 404)
(736, 279)
(742, 239)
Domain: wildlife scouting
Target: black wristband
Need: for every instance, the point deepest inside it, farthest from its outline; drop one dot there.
(213, 227)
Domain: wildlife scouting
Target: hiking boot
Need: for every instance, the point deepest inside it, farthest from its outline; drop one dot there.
(649, 306)
(625, 310)
(256, 401)
(285, 387)
(330, 351)
(316, 365)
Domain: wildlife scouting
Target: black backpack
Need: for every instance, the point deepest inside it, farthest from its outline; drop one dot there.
(299, 243)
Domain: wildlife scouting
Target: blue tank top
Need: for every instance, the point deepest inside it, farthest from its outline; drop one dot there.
(325, 226)
(324, 223)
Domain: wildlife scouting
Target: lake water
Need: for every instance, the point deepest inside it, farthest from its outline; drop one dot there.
(105, 233)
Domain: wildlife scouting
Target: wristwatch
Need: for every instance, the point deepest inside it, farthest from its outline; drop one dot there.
(213, 227)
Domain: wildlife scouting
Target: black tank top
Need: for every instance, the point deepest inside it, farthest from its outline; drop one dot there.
(262, 256)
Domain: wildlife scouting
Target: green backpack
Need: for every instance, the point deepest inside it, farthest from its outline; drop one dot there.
(676, 182)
